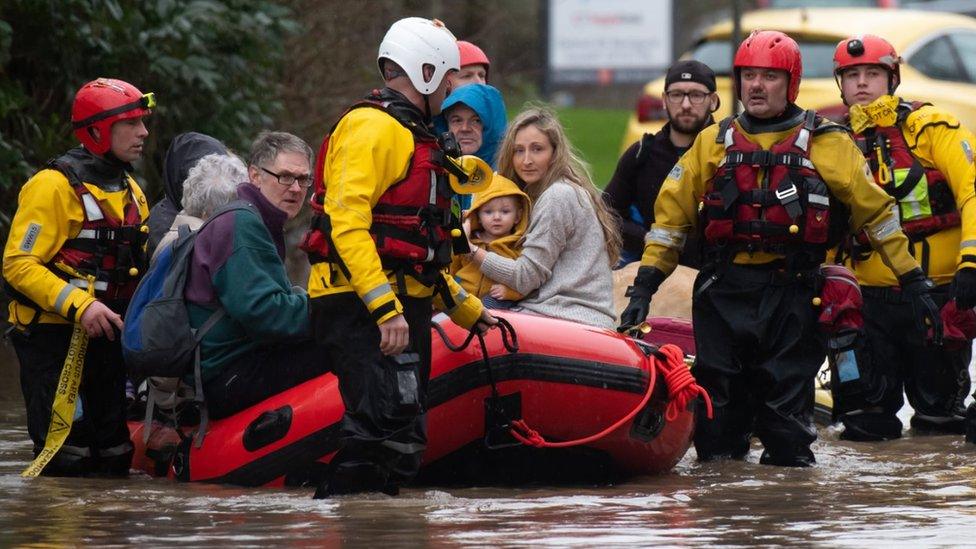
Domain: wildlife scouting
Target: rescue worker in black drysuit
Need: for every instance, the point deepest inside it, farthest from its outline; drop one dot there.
(923, 157)
(81, 216)
(767, 182)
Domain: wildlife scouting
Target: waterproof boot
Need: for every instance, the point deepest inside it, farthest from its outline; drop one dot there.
(113, 466)
(355, 479)
(69, 462)
(870, 425)
(718, 456)
(939, 425)
(798, 457)
(971, 423)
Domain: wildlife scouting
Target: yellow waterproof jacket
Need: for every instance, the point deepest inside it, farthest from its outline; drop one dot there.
(510, 246)
(369, 152)
(938, 141)
(48, 214)
(838, 161)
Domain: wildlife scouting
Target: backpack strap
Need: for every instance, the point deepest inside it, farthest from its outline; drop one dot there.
(211, 321)
(198, 397)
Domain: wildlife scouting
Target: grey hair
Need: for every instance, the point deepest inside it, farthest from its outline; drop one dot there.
(268, 145)
(211, 183)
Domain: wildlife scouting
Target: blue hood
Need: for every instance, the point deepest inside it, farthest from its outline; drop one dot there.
(487, 102)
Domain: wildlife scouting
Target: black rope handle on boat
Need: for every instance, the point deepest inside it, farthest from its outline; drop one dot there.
(509, 340)
(509, 337)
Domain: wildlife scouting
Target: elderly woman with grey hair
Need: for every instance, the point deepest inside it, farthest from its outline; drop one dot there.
(210, 184)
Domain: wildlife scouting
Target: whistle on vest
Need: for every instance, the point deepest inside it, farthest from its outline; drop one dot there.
(467, 174)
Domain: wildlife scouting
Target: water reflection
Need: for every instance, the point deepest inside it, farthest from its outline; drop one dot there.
(917, 490)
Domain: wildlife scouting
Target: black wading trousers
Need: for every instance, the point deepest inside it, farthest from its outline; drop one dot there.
(759, 350)
(384, 431)
(98, 443)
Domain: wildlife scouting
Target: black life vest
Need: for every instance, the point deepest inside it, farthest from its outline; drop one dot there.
(925, 201)
(412, 221)
(788, 211)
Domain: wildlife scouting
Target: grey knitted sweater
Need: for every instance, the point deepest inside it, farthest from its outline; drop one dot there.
(564, 269)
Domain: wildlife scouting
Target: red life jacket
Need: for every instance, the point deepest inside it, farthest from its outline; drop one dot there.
(110, 249)
(788, 210)
(894, 151)
(412, 220)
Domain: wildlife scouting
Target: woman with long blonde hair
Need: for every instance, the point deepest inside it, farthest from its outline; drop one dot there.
(572, 240)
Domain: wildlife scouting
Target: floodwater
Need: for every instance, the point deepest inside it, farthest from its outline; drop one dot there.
(917, 491)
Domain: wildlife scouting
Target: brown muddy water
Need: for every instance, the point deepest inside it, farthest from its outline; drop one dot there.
(914, 492)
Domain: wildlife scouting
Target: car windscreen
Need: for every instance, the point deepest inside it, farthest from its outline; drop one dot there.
(818, 57)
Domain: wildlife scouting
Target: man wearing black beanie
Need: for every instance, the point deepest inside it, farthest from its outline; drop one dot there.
(690, 99)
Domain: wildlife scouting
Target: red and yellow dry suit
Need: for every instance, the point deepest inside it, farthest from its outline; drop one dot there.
(755, 324)
(387, 212)
(924, 160)
(60, 234)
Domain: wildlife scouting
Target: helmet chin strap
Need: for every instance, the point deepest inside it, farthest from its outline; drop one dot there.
(427, 116)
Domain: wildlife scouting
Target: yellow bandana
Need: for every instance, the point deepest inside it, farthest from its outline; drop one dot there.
(882, 112)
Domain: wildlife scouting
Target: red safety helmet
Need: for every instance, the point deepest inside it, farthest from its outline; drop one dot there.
(868, 49)
(472, 55)
(103, 102)
(770, 50)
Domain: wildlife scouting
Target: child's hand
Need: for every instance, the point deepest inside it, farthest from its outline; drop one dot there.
(497, 291)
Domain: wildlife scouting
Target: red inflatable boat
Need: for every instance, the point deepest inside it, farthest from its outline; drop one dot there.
(572, 403)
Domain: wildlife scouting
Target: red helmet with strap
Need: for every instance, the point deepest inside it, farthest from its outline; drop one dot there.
(103, 102)
(770, 50)
(868, 49)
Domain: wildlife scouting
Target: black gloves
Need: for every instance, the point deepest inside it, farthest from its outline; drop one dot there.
(918, 287)
(646, 282)
(964, 288)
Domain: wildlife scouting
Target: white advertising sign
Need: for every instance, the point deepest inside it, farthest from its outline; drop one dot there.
(597, 35)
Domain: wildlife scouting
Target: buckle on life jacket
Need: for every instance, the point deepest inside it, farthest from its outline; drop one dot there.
(789, 194)
(789, 197)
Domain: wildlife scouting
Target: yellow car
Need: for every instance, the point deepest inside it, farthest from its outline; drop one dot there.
(938, 52)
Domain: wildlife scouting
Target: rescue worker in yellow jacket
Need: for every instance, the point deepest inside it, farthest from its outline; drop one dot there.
(80, 221)
(766, 186)
(920, 155)
(380, 241)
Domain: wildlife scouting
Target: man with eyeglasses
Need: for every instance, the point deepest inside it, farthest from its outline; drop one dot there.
(689, 99)
(261, 345)
(78, 224)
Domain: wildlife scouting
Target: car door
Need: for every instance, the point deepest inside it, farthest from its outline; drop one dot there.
(941, 69)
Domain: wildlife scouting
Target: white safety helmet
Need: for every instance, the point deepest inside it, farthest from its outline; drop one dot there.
(414, 42)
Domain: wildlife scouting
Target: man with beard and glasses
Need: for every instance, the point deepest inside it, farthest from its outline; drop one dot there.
(690, 99)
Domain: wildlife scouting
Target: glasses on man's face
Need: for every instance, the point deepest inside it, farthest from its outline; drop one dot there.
(287, 179)
(676, 97)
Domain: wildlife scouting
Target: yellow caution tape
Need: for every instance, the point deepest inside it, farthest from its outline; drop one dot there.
(65, 397)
